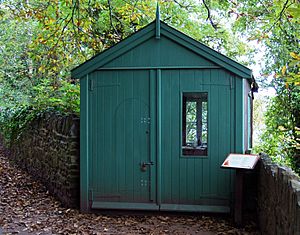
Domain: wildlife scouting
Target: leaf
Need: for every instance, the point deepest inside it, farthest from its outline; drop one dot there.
(294, 11)
(293, 63)
(295, 56)
(283, 70)
(41, 68)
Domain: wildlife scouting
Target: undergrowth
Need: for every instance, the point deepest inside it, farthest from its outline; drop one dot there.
(15, 116)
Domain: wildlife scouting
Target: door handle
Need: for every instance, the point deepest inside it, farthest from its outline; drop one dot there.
(145, 164)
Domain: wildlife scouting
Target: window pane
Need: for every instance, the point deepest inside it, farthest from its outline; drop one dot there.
(191, 122)
(194, 123)
(204, 122)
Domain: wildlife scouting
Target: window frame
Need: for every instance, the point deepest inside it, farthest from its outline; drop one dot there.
(181, 124)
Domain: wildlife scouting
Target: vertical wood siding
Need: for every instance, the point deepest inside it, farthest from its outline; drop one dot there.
(120, 140)
(119, 101)
(189, 179)
(163, 52)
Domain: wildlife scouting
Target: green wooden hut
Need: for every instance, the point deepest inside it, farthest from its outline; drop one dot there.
(159, 114)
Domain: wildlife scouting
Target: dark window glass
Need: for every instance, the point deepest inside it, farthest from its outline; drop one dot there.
(194, 123)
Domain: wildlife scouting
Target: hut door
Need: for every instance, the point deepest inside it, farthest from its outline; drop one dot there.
(123, 170)
(132, 154)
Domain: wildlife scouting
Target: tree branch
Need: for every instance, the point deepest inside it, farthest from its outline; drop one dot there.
(209, 17)
(111, 18)
(187, 7)
(280, 15)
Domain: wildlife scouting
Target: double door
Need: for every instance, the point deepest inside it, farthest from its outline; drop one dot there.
(135, 145)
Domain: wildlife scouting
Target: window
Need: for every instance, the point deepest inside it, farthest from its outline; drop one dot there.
(194, 124)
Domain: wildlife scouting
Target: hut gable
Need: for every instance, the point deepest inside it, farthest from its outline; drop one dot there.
(173, 48)
(160, 53)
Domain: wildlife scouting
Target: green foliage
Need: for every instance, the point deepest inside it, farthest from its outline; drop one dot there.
(192, 122)
(41, 41)
(15, 119)
(281, 139)
(16, 68)
(64, 98)
(291, 72)
(275, 26)
(70, 32)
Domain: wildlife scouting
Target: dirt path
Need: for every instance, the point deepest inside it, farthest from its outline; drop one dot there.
(27, 208)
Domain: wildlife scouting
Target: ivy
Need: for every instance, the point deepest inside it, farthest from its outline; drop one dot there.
(45, 98)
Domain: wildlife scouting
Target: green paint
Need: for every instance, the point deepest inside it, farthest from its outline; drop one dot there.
(84, 141)
(159, 67)
(149, 32)
(131, 113)
(239, 116)
(159, 136)
(194, 208)
(124, 206)
(120, 142)
(157, 23)
(153, 131)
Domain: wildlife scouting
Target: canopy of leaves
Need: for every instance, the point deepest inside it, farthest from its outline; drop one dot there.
(70, 32)
(276, 26)
(41, 41)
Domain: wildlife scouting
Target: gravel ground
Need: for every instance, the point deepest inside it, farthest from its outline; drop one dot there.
(27, 208)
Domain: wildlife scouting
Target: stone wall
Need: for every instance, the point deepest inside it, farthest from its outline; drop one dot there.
(49, 150)
(278, 199)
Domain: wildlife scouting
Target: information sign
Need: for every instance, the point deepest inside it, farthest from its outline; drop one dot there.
(241, 161)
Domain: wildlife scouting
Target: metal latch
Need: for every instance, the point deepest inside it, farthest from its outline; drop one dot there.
(145, 164)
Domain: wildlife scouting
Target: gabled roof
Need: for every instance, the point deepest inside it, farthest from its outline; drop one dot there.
(161, 28)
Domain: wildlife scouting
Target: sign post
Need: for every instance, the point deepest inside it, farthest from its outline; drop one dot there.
(239, 162)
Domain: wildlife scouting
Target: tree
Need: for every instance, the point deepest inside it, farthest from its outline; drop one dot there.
(57, 35)
(70, 32)
(16, 71)
(275, 24)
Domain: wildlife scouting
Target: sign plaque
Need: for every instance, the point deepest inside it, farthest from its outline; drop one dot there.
(241, 161)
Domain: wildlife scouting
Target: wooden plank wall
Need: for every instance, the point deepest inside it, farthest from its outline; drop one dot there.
(197, 180)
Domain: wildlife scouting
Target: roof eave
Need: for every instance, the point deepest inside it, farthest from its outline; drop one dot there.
(114, 51)
(207, 52)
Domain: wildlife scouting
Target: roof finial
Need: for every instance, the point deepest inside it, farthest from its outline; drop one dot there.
(157, 21)
(157, 11)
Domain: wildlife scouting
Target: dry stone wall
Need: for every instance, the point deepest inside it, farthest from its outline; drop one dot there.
(278, 199)
(49, 150)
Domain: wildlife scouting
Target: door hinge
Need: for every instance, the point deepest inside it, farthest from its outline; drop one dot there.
(91, 85)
